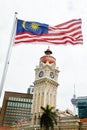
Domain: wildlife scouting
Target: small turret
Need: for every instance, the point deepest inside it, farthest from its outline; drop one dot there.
(47, 57)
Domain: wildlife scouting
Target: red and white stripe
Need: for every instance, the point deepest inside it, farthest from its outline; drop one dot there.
(68, 32)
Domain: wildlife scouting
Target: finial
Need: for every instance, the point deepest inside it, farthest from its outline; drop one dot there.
(49, 47)
(48, 51)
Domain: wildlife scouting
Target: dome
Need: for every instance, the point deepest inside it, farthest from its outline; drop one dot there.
(47, 57)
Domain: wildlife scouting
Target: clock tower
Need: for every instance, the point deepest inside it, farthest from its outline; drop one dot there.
(45, 84)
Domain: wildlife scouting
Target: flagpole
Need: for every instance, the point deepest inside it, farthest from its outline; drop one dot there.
(8, 53)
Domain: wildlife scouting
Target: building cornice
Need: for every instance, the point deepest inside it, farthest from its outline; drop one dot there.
(46, 80)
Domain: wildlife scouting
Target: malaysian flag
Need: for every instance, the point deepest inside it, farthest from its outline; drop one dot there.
(67, 32)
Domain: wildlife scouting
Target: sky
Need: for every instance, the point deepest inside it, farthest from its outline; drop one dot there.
(71, 60)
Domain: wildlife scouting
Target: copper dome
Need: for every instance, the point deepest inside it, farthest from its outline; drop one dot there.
(47, 57)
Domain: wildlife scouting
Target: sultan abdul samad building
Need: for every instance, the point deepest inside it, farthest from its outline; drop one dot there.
(45, 93)
(45, 84)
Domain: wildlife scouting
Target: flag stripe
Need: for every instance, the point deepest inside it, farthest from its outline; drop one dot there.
(51, 38)
(65, 24)
(53, 42)
(68, 32)
(56, 40)
(27, 35)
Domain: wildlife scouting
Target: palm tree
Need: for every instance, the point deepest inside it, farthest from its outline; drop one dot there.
(48, 118)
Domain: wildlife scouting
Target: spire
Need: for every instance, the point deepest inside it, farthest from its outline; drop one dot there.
(73, 101)
(74, 95)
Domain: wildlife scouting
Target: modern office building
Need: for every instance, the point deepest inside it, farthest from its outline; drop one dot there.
(82, 108)
(16, 108)
(30, 89)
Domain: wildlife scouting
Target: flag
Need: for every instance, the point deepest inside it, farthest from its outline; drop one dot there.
(67, 32)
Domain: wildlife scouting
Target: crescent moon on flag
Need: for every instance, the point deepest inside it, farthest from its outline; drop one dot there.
(24, 25)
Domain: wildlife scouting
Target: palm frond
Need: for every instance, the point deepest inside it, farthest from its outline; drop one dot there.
(48, 117)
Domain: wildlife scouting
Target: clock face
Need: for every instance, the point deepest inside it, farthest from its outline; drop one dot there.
(41, 74)
(52, 75)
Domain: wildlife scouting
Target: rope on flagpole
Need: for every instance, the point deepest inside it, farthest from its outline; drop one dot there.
(8, 53)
